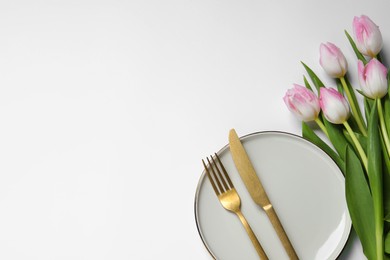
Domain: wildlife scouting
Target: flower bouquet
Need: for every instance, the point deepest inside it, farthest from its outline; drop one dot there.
(360, 145)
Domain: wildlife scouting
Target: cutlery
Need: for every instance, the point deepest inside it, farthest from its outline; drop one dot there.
(228, 196)
(256, 189)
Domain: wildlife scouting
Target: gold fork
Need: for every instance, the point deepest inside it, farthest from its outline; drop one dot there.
(229, 197)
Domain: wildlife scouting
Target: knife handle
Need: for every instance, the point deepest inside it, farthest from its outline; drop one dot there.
(280, 231)
(252, 236)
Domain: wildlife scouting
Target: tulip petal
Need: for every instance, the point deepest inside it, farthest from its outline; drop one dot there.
(373, 79)
(367, 35)
(333, 104)
(332, 60)
(302, 102)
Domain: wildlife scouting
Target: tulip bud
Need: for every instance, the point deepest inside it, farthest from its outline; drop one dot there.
(373, 78)
(302, 102)
(368, 37)
(333, 60)
(334, 106)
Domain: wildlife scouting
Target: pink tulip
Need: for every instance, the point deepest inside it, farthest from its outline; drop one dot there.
(302, 102)
(334, 106)
(368, 37)
(373, 78)
(333, 60)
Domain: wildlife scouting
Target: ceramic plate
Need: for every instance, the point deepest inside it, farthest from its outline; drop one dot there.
(306, 189)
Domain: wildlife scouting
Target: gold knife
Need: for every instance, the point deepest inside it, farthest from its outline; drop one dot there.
(256, 189)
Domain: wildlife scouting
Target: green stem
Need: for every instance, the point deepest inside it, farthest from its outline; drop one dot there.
(357, 115)
(377, 190)
(383, 125)
(359, 147)
(322, 126)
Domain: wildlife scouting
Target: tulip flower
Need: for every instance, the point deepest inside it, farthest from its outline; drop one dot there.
(373, 78)
(368, 37)
(302, 102)
(332, 60)
(334, 106)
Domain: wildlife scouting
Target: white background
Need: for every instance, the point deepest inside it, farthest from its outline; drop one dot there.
(108, 107)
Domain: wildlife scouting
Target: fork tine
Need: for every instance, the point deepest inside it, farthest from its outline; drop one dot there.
(224, 172)
(220, 175)
(210, 177)
(216, 177)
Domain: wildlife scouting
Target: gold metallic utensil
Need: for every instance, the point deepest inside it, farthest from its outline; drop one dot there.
(229, 197)
(256, 189)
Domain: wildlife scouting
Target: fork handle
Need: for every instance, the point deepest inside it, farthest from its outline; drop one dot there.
(252, 236)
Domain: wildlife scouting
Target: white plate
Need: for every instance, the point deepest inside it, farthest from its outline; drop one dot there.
(306, 189)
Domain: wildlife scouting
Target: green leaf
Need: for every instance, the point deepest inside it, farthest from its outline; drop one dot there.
(307, 84)
(360, 203)
(337, 137)
(361, 138)
(374, 155)
(311, 136)
(368, 103)
(374, 173)
(316, 80)
(355, 49)
(387, 243)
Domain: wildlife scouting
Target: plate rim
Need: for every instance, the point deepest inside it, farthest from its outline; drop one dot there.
(221, 150)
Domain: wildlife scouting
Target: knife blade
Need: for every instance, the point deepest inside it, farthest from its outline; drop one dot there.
(256, 189)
